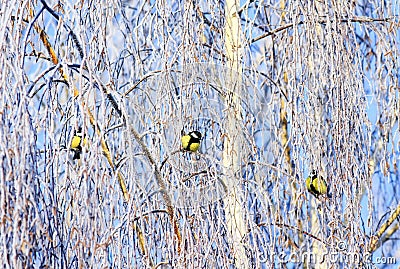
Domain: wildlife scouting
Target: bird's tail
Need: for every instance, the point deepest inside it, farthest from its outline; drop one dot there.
(77, 155)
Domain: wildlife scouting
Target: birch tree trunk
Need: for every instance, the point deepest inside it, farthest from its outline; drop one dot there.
(232, 154)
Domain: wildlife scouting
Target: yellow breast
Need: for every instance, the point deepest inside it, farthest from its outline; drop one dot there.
(185, 141)
(76, 142)
(194, 147)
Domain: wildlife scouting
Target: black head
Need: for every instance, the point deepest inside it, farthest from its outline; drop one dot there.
(314, 173)
(195, 134)
(78, 131)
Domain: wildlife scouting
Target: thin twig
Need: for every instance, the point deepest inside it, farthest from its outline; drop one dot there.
(290, 25)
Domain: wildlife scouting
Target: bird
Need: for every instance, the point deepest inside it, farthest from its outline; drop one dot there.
(316, 185)
(191, 141)
(77, 143)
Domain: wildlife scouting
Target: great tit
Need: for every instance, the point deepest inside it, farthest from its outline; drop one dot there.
(191, 141)
(316, 185)
(77, 143)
